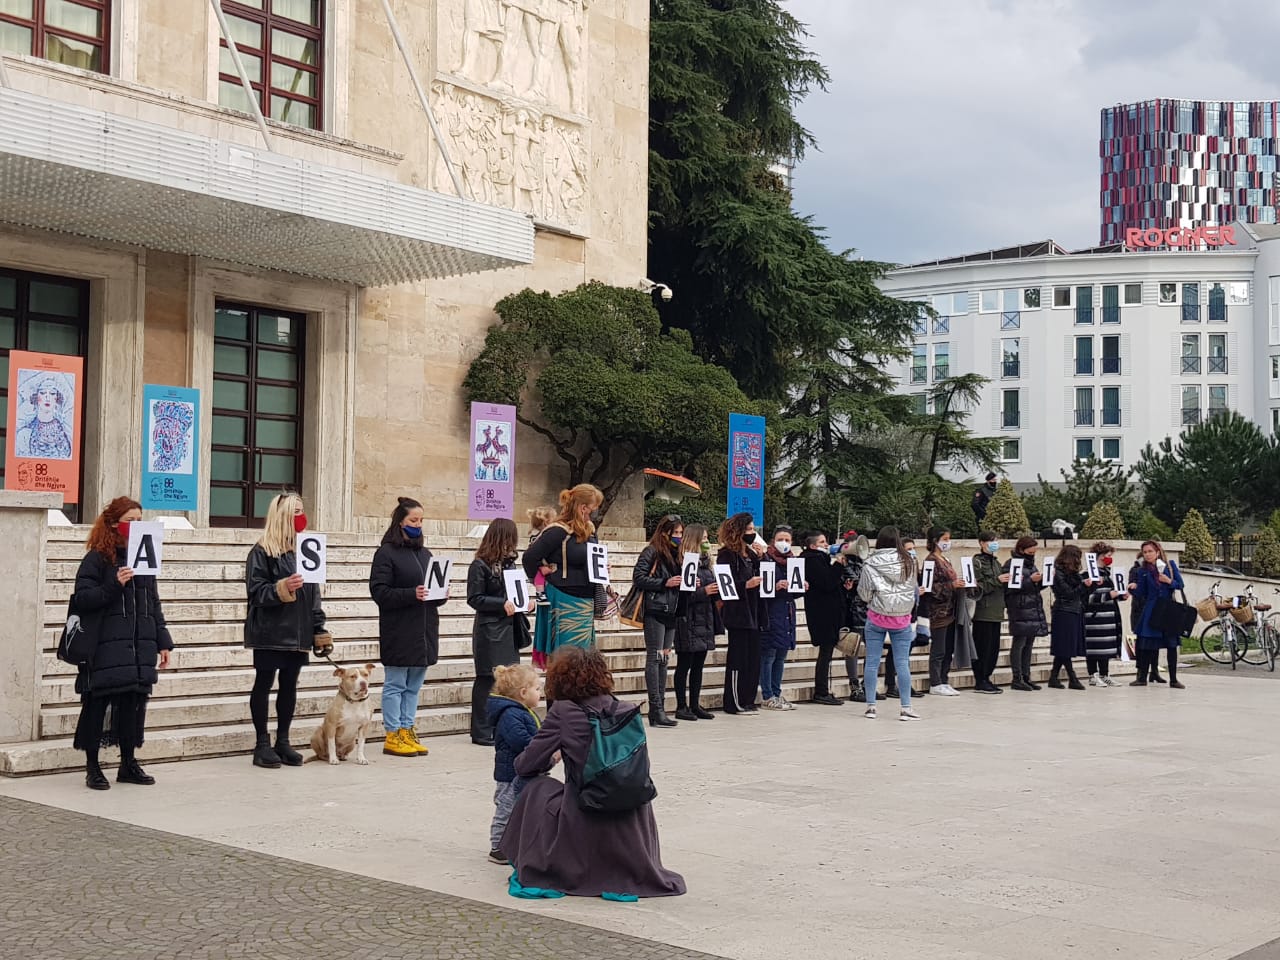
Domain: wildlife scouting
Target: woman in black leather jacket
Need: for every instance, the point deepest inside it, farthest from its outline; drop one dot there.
(657, 573)
(285, 622)
(1070, 589)
(120, 614)
(494, 642)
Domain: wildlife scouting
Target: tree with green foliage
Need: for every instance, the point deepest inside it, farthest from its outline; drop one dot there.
(1150, 527)
(591, 371)
(1087, 482)
(1197, 540)
(1104, 523)
(1005, 516)
(1225, 468)
(1266, 554)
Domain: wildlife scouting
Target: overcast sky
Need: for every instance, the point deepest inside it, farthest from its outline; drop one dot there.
(954, 126)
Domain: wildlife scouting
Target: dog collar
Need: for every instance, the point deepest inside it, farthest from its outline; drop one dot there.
(354, 699)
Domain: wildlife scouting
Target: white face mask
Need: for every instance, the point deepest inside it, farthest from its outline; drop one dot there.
(944, 546)
(782, 546)
(911, 552)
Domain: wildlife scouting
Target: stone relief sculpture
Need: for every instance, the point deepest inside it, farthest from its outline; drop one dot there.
(512, 156)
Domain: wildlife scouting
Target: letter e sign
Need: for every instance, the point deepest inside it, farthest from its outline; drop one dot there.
(598, 563)
(145, 548)
(313, 551)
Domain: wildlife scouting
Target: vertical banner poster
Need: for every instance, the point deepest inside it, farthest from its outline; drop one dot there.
(45, 409)
(170, 441)
(492, 486)
(746, 466)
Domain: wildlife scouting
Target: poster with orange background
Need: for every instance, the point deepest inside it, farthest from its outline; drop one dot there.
(44, 424)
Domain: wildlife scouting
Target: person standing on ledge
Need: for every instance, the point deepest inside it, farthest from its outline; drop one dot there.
(982, 498)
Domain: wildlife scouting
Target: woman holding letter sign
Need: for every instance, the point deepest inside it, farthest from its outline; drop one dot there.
(121, 614)
(657, 574)
(697, 624)
(1154, 581)
(560, 555)
(740, 553)
(285, 621)
(1026, 609)
(493, 634)
(1071, 586)
(940, 604)
(1103, 625)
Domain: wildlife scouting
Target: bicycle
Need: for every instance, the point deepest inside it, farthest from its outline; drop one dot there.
(1223, 640)
(1265, 638)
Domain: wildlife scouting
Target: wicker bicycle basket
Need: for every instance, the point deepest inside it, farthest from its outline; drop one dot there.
(1243, 614)
(1208, 609)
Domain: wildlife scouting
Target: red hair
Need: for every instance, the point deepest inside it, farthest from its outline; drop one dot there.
(576, 673)
(104, 538)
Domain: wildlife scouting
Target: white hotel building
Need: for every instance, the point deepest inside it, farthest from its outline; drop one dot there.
(1100, 351)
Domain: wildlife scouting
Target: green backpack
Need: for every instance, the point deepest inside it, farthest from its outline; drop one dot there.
(615, 776)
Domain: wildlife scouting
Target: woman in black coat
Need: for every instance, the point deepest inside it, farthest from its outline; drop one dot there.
(1070, 590)
(408, 625)
(697, 625)
(285, 622)
(824, 610)
(500, 628)
(740, 551)
(1026, 612)
(657, 576)
(124, 626)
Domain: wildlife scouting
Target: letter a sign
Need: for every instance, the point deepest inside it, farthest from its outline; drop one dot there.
(146, 545)
(313, 551)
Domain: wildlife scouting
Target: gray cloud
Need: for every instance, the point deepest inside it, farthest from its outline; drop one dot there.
(952, 126)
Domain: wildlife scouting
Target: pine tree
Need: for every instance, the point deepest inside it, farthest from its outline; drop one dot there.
(1266, 555)
(1005, 515)
(1103, 523)
(1198, 542)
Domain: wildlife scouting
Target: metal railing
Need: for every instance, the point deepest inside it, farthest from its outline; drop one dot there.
(1010, 319)
(1010, 419)
(1190, 416)
(941, 324)
(1190, 364)
(1084, 418)
(1110, 314)
(1010, 368)
(1111, 365)
(941, 371)
(1191, 313)
(1111, 416)
(1084, 315)
(1084, 366)
(1217, 364)
(919, 374)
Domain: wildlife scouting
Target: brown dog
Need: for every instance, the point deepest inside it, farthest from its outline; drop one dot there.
(346, 722)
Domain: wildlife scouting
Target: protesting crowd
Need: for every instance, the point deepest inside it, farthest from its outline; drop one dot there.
(594, 833)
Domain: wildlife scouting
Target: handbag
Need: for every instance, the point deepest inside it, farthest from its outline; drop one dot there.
(522, 630)
(74, 645)
(849, 643)
(631, 608)
(606, 603)
(1172, 618)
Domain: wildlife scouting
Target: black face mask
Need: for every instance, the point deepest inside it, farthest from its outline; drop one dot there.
(595, 517)
(748, 538)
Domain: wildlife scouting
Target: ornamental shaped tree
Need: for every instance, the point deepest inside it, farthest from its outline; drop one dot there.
(1198, 542)
(1266, 555)
(1005, 515)
(1104, 523)
(591, 371)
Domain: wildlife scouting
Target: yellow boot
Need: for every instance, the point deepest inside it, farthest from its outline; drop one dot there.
(397, 746)
(411, 737)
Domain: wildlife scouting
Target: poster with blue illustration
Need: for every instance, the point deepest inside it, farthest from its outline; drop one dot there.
(171, 433)
(746, 466)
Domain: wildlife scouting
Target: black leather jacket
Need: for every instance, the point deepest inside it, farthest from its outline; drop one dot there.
(651, 573)
(278, 619)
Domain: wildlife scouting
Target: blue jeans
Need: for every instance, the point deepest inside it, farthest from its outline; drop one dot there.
(900, 643)
(772, 664)
(400, 696)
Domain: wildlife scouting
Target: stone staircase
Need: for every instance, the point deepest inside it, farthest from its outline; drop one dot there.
(200, 706)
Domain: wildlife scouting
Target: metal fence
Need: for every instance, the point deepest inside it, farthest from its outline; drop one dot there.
(1237, 553)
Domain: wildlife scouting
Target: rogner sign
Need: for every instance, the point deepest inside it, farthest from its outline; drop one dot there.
(1136, 238)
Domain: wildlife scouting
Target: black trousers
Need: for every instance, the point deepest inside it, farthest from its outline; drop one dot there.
(822, 671)
(1149, 663)
(1020, 657)
(742, 670)
(481, 687)
(689, 678)
(942, 647)
(266, 664)
(111, 720)
(1058, 664)
(986, 640)
(1099, 665)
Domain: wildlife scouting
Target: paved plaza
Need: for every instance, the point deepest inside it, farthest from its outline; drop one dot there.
(1127, 823)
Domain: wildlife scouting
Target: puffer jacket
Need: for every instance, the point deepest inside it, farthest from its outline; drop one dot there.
(125, 624)
(884, 587)
(652, 570)
(697, 619)
(408, 628)
(780, 634)
(278, 619)
(514, 725)
(1026, 609)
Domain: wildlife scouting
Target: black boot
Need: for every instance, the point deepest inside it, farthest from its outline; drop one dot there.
(684, 713)
(263, 755)
(659, 718)
(288, 756)
(702, 714)
(94, 778)
(131, 772)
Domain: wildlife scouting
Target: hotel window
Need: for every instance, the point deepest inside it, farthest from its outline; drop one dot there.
(1217, 353)
(1011, 357)
(941, 361)
(1084, 406)
(919, 363)
(920, 325)
(1132, 294)
(1084, 356)
(1084, 448)
(1190, 353)
(941, 324)
(1011, 450)
(920, 404)
(1191, 303)
(1238, 292)
(1274, 305)
(1062, 297)
(1217, 304)
(280, 42)
(1275, 421)
(1190, 405)
(1111, 406)
(1031, 298)
(1111, 303)
(1111, 355)
(1111, 448)
(72, 32)
(1010, 410)
(1217, 401)
(1275, 378)
(1168, 294)
(1084, 305)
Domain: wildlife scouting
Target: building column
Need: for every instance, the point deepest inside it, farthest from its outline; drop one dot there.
(23, 528)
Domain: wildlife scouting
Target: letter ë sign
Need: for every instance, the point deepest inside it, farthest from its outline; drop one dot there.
(1138, 239)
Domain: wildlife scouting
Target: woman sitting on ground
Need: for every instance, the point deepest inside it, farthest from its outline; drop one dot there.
(553, 843)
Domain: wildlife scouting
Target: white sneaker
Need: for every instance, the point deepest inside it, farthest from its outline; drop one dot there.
(1109, 682)
(773, 703)
(908, 713)
(945, 690)
(786, 704)
(1096, 681)
(870, 713)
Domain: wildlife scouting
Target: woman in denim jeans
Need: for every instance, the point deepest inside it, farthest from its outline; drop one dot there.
(888, 585)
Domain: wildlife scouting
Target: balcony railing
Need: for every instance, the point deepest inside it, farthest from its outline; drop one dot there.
(1111, 416)
(1110, 314)
(1084, 418)
(1084, 366)
(1010, 419)
(919, 374)
(1217, 313)
(1190, 364)
(941, 371)
(1011, 368)
(1190, 416)
(1217, 364)
(1010, 319)
(1216, 413)
(1191, 313)
(1084, 315)
(941, 324)
(1111, 365)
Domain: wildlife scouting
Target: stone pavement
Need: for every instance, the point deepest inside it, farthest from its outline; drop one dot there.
(77, 887)
(1102, 823)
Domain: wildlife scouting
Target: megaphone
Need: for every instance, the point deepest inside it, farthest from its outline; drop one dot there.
(860, 548)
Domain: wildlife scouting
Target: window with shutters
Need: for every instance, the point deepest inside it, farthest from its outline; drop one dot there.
(1084, 356)
(1010, 410)
(1111, 406)
(1190, 405)
(1217, 353)
(1011, 450)
(1111, 448)
(1190, 353)
(1011, 357)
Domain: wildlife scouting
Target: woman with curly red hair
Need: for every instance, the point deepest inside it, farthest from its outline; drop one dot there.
(121, 616)
(553, 843)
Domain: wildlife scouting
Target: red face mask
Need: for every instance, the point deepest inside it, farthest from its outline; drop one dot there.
(122, 528)
(299, 522)
(1106, 561)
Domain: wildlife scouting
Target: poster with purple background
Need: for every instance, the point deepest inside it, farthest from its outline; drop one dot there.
(492, 489)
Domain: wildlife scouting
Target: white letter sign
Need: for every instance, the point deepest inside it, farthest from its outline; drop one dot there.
(1048, 573)
(313, 552)
(517, 587)
(966, 571)
(146, 544)
(926, 576)
(724, 577)
(768, 580)
(437, 582)
(1091, 564)
(689, 572)
(1122, 587)
(1015, 573)
(795, 575)
(598, 563)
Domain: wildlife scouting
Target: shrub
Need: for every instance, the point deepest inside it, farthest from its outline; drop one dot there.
(1005, 515)
(1104, 523)
(1266, 555)
(1198, 542)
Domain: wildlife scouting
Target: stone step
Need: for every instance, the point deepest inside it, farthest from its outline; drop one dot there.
(69, 542)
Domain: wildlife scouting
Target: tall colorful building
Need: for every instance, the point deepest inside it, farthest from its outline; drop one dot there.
(1178, 163)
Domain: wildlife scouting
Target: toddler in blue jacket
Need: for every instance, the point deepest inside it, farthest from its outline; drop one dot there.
(517, 690)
